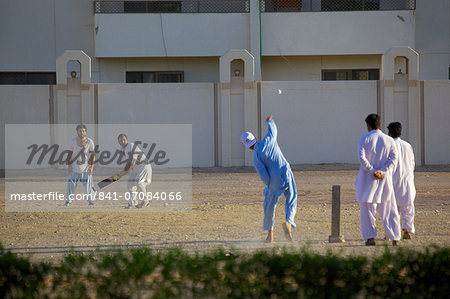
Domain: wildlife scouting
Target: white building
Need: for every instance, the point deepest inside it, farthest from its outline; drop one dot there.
(291, 40)
(234, 58)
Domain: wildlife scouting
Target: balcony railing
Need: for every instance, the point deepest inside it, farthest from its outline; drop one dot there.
(336, 5)
(170, 6)
(243, 6)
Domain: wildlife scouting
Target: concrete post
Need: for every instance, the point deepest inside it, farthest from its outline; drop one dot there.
(336, 236)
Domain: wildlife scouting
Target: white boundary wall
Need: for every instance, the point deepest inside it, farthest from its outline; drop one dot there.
(437, 122)
(319, 121)
(22, 104)
(164, 103)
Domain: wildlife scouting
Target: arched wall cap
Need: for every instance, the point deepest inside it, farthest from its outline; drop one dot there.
(69, 55)
(387, 62)
(249, 65)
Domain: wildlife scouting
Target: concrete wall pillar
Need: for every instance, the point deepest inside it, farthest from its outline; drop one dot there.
(255, 35)
(237, 91)
(74, 97)
(401, 95)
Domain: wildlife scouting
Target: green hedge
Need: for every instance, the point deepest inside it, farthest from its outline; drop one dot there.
(285, 273)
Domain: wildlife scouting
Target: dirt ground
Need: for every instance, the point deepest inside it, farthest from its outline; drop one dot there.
(227, 212)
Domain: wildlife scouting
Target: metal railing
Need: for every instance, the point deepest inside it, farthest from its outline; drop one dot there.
(243, 6)
(337, 5)
(170, 6)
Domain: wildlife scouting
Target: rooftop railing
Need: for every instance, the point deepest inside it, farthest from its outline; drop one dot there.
(243, 6)
(337, 5)
(170, 6)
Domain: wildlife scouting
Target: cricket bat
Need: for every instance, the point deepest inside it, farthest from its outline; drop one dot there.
(103, 183)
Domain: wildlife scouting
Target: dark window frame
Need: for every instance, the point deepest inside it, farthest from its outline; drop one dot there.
(27, 78)
(349, 74)
(156, 76)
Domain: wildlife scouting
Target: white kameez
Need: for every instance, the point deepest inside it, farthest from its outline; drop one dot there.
(377, 151)
(403, 180)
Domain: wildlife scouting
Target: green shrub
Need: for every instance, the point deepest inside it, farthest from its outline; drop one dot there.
(285, 273)
(407, 273)
(19, 278)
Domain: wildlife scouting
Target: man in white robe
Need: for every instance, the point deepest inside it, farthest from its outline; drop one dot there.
(374, 190)
(403, 180)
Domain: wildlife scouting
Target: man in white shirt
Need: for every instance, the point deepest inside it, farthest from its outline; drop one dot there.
(374, 190)
(80, 161)
(139, 172)
(403, 180)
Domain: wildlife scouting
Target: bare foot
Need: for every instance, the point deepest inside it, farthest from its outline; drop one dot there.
(287, 231)
(269, 238)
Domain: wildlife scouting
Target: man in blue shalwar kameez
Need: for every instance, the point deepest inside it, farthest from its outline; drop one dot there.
(275, 172)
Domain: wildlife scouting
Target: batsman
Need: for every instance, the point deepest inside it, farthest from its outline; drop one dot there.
(275, 172)
(139, 172)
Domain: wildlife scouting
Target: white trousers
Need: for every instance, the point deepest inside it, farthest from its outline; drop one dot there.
(72, 182)
(389, 215)
(407, 215)
(138, 180)
(271, 200)
(138, 193)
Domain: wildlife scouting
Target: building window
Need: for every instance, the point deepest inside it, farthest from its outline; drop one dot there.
(333, 75)
(24, 78)
(155, 77)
